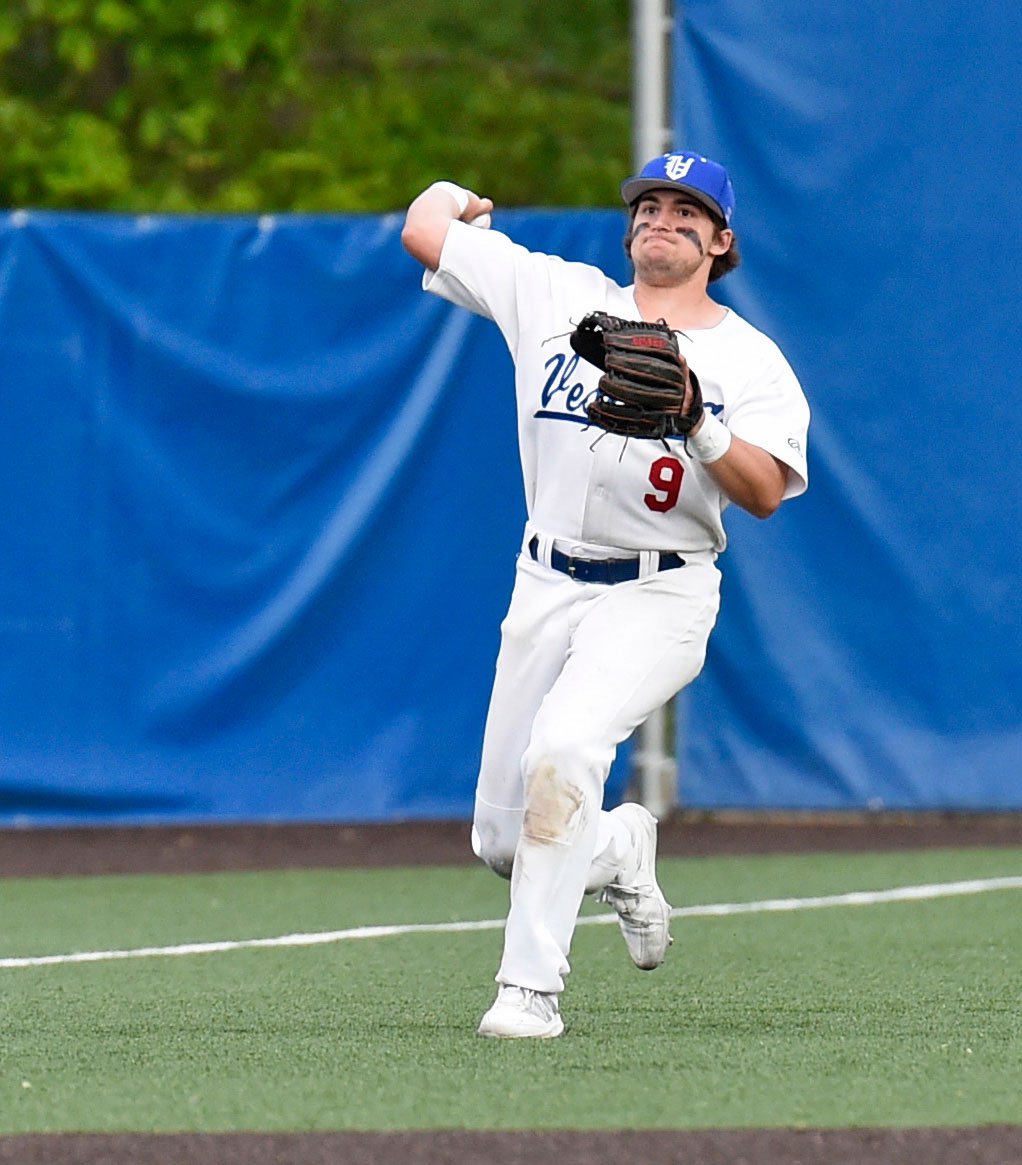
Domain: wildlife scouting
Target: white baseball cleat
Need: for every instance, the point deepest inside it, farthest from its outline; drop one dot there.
(643, 912)
(519, 1013)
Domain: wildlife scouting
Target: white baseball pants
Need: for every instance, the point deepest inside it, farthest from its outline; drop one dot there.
(581, 665)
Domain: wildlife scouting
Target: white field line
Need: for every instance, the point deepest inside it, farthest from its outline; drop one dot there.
(711, 910)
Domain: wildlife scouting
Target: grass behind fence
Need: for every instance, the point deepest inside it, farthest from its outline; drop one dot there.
(899, 1014)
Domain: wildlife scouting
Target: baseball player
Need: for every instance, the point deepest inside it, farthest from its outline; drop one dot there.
(616, 588)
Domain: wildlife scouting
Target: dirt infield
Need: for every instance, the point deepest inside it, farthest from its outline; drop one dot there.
(182, 849)
(994, 1145)
(178, 849)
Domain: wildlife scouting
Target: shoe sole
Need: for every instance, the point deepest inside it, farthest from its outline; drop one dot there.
(492, 1034)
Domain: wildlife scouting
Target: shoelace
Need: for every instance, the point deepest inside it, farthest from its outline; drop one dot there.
(625, 898)
(537, 1001)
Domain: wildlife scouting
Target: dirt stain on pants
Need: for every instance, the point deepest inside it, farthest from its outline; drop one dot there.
(551, 806)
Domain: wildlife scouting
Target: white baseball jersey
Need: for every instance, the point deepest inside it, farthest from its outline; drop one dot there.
(595, 489)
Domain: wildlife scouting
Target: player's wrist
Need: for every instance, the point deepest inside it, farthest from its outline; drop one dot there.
(460, 195)
(710, 441)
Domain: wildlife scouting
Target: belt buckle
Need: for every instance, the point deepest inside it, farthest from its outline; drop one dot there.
(571, 567)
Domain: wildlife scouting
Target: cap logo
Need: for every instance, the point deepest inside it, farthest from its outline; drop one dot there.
(678, 167)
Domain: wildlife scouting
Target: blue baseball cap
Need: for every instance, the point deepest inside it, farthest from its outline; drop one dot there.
(705, 180)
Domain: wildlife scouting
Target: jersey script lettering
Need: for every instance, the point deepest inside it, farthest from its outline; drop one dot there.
(559, 390)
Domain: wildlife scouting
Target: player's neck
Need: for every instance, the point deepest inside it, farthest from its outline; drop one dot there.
(688, 306)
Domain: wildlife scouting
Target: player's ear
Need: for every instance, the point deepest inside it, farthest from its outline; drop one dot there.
(721, 242)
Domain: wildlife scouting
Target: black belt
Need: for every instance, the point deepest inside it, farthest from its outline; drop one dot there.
(601, 570)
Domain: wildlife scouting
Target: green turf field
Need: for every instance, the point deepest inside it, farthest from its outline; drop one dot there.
(905, 1013)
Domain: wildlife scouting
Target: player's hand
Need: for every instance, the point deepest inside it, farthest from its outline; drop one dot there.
(430, 215)
(691, 391)
(477, 213)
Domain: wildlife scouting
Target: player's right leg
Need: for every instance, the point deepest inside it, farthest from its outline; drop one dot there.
(534, 642)
(535, 638)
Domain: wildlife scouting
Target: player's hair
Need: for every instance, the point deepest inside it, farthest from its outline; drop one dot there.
(721, 264)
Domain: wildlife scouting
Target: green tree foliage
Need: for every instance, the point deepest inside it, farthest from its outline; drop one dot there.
(311, 105)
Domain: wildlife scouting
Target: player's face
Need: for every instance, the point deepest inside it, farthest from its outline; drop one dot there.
(673, 237)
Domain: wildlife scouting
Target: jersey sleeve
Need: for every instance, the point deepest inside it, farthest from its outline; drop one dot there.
(483, 270)
(488, 273)
(772, 413)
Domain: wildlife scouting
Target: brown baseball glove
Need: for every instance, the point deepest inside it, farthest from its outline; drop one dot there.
(645, 377)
